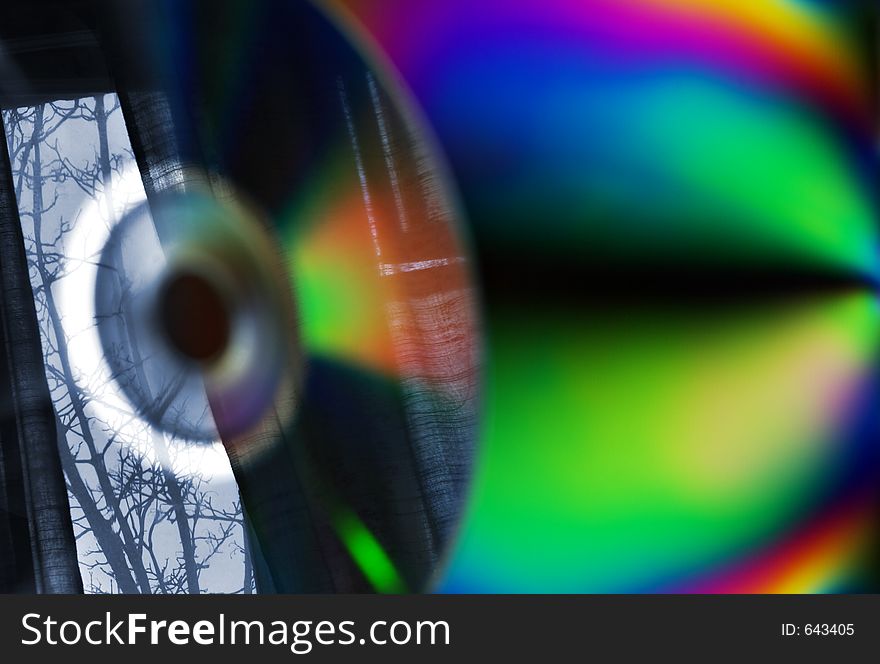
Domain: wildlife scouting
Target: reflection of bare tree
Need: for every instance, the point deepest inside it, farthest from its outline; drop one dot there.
(144, 523)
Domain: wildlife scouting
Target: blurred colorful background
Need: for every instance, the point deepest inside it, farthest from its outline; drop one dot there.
(675, 213)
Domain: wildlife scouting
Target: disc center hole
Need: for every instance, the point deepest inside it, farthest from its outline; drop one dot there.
(194, 316)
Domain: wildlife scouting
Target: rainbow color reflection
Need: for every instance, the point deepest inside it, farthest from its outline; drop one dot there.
(727, 445)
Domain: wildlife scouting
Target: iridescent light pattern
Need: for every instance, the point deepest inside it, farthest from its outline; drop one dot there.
(727, 449)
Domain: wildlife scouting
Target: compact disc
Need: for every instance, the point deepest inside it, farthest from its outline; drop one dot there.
(297, 283)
